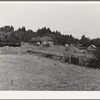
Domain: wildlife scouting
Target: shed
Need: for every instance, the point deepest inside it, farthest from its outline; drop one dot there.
(91, 48)
(72, 48)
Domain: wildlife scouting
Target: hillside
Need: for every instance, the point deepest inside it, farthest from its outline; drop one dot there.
(30, 72)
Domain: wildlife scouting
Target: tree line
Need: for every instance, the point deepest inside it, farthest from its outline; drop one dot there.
(9, 35)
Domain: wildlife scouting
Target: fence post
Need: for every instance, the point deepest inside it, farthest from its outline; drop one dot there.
(70, 58)
(80, 60)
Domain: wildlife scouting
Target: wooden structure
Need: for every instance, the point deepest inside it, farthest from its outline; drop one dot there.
(36, 41)
(43, 41)
(72, 48)
(46, 41)
(91, 48)
(80, 59)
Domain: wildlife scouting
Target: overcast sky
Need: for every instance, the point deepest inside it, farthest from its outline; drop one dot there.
(68, 18)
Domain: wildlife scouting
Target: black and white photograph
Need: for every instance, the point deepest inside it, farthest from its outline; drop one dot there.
(49, 46)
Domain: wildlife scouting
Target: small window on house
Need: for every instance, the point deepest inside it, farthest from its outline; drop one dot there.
(44, 42)
(38, 43)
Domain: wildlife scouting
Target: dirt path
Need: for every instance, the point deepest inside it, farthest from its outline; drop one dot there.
(30, 72)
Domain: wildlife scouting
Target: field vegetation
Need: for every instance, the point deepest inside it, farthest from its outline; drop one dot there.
(20, 70)
(31, 72)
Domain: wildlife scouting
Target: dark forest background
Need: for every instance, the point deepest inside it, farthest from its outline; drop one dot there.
(10, 36)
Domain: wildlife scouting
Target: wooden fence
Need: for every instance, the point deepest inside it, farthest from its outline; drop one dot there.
(80, 59)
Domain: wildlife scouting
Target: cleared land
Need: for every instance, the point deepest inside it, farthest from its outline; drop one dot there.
(31, 72)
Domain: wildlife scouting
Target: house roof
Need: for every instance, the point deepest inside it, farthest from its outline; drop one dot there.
(93, 46)
(46, 38)
(41, 38)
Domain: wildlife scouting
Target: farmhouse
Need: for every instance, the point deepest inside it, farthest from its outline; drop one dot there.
(43, 41)
(46, 41)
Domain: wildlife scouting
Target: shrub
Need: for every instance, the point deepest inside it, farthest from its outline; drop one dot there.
(48, 55)
(74, 60)
(93, 63)
(66, 59)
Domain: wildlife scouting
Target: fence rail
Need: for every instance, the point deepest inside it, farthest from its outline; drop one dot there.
(80, 59)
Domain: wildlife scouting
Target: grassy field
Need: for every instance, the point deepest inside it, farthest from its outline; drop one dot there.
(31, 72)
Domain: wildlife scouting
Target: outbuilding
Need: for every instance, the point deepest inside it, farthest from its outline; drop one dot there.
(91, 48)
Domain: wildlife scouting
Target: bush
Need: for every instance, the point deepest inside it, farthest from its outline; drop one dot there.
(93, 63)
(66, 59)
(74, 60)
(48, 55)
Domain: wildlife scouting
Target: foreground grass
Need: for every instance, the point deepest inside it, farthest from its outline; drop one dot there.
(30, 72)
